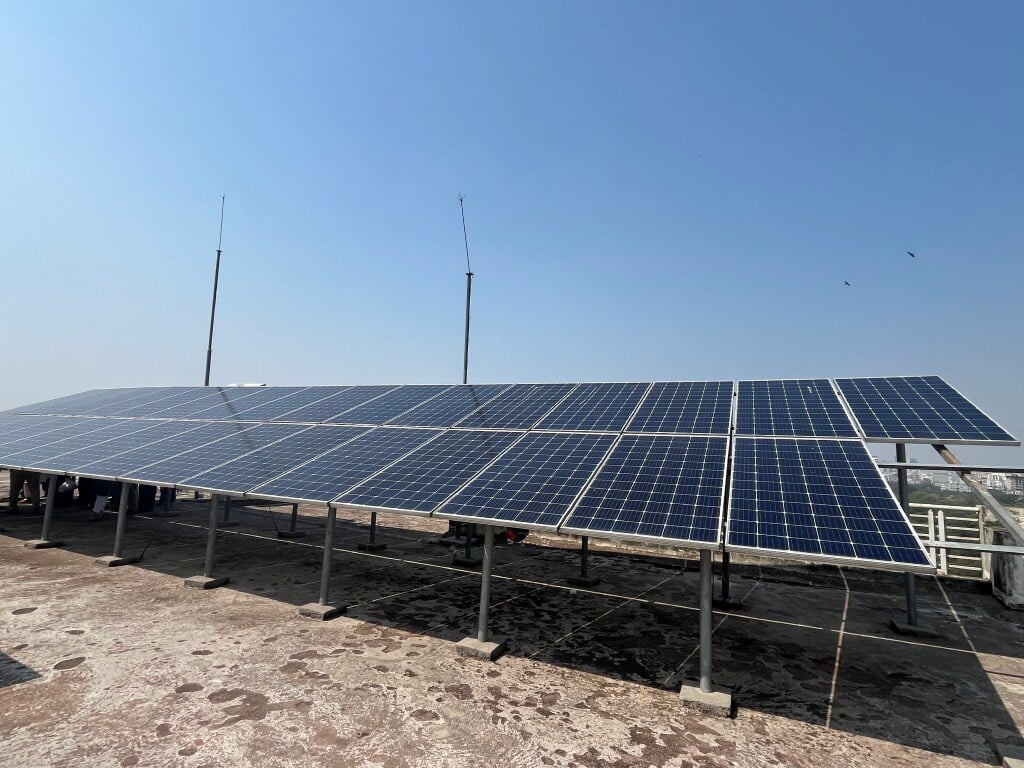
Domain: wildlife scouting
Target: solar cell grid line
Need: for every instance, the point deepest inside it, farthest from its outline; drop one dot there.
(269, 411)
(919, 409)
(246, 472)
(449, 406)
(390, 405)
(320, 411)
(791, 407)
(597, 407)
(168, 438)
(69, 425)
(242, 439)
(217, 401)
(111, 430)
(422, 479)
(685, 407)
(533, 482)
(15, 427)
(519, 407)
(178, 396)
(333, 473)
(660, 489)
(822, 500)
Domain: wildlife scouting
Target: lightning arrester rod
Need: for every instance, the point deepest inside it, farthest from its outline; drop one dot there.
(469, 293)
(213, 307)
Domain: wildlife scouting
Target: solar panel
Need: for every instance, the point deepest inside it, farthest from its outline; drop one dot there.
(821, 500)
(533, 483)
(519, 407)
(65, 406)
(330, 475)
(240, 440)
(114, 460)
(657, 488)
(118, 399)
(215, 403)
(323, 409)
(61, 427)
(918, 409)
(275, 409)
(596, 407)
(17, 427)
(685, 407)
(450, 406)
(238, 399)
(244, 473)
(97, 432)
(174, 396)
(387, 407)
(797, 407)
(430, 474)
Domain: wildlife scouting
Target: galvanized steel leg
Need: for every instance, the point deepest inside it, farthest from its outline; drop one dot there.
(295, 518)
(207, 580)
(725, 577)
(482, 633)
(584, 579)
(705, 620)
(322, 609)
(372, 545)
(122, 518)
(911, 627)
(51, 499)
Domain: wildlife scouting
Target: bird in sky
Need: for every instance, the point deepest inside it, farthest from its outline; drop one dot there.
(847, 283)
(911, 255)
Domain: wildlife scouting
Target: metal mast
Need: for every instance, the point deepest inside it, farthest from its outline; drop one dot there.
(213, 308)
(469, 294)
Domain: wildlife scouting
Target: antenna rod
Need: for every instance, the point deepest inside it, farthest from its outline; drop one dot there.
(213, 308)
(469, 293)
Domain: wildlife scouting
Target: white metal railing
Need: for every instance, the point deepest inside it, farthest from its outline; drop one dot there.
(947, 523)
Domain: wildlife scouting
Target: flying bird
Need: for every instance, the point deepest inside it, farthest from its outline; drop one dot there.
(847, 282)
(911, 255)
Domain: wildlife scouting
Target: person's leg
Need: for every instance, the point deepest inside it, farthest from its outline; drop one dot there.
(17, 480)
(33, 490)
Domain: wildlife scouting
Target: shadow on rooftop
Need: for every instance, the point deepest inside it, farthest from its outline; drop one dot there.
(13, 671)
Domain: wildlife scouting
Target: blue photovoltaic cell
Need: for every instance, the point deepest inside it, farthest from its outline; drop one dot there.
(96, 432)
(216, 403)
(61, 427)
(534, 482)
(430, 474)
(323, 479)
(387, 407)
(246, 472)
(239, 399)
(595, 407)
(66, 406)
(685, 407)
(322, 410)
(17, 427)
(659, 487)
(174, 397)
(275, 409)
(819, 498)
(118, 399)
(240, 440)
(925, 408)
(797, 407)
(450, 406)
(519, 407)
(117, 458)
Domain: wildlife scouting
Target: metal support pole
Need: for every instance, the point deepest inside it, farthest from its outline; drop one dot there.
(705, 620)
(584, 555)
(465, 353)
(211, 537)
(325, 576)
(51, 500)
(122, 518)
(482, 634)
(470, 535)
(725, 577)
(903, 491)
(295, 518)
(373, 527)
(213, 306)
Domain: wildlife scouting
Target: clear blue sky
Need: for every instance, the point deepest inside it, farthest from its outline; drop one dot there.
(653, 191)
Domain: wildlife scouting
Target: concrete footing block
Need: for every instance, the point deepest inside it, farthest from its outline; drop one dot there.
(321, 612)
(466, 562)
(717, 701)
(584, 581)
(112, 561)
(472, 648)
(291, 534)
(43, 544)
(206, 582)
(913, 630)
(377, 546)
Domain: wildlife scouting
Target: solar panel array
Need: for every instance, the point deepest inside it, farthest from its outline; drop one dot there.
(630, 460)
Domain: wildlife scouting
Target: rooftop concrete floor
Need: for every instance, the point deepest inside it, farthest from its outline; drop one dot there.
(121, 667)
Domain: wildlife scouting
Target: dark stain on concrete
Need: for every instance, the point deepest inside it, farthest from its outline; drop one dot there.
(22, 611)
(189, 688)
(69, 663)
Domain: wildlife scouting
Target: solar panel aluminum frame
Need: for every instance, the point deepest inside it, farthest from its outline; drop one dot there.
(810, 557)
(1015, 443)
(658, 540)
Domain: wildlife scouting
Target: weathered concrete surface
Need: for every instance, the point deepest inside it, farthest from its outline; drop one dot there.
(120, 667)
